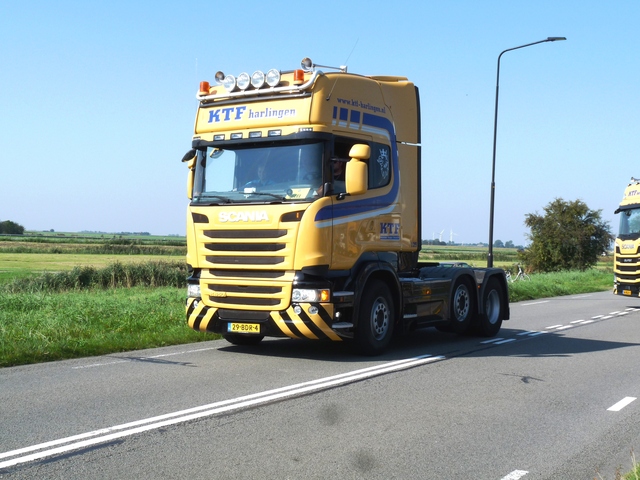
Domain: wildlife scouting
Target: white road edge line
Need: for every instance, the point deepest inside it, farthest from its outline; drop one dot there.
(108, 434)
(535, 303)
(515, 475)
(621, 404)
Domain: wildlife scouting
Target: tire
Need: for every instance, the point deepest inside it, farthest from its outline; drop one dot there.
(240, 339)
(462, 307)
(375, 319)
(490, 319)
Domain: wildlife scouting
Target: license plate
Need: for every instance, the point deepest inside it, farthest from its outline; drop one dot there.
(243, 327)
(626, 292)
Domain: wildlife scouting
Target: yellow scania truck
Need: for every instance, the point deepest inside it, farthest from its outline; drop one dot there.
(626, 256)
(304, 218)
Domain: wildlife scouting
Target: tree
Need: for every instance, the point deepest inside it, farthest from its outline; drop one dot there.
(569, 236)
(509, 244)
(498, 244)
(11, 228)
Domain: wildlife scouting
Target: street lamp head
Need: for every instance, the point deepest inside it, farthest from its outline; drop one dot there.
(555, 39)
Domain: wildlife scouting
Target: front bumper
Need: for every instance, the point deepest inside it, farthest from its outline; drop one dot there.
(297, 321)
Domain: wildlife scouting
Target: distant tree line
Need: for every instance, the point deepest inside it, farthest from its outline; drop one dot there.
(11, 228)
(507, 244)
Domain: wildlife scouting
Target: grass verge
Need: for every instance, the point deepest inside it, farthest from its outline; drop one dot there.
(543, 285)
(89, 311)
(39, 327)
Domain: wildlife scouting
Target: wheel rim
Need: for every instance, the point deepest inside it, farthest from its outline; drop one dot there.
(492, 307)
(379, 318)
(461, 303)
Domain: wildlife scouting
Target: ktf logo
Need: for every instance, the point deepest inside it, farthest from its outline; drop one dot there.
(226, 114)
(389, 230)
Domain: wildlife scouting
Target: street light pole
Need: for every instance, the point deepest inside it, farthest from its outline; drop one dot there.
(495, 134)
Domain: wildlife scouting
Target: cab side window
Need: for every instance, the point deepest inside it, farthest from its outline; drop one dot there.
(379, 166)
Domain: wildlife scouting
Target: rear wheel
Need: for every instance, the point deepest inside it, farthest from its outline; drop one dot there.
(462, 307)
(375, 320)
(491, 318)
(239, 339)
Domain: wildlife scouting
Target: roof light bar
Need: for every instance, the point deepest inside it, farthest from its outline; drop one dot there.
(244, 84)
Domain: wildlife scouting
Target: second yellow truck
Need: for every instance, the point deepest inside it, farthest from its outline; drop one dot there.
(626, 256)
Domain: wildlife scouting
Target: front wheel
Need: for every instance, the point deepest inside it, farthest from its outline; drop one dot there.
(375, 319)
(491, 318)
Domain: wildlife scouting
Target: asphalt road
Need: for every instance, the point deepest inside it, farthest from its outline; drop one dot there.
(552, 397)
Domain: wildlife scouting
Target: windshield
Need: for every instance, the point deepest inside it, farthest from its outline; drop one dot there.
(630, 223)
(258, 173)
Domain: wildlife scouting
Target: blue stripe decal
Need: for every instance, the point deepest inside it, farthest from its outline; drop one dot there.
(344, 209)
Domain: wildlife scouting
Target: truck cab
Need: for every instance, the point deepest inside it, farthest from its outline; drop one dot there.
(305, 213)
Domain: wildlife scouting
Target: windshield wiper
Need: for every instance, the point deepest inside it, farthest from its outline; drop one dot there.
(219, 197)
(277, 197)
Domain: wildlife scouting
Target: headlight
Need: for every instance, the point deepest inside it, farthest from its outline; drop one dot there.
(193, 290)
(310, 295)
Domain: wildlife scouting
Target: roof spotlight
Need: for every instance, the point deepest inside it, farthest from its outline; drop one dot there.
(273, 77)
(229, 83)
(306, 64)
(257, 79)
(244, 80)
(219, 77)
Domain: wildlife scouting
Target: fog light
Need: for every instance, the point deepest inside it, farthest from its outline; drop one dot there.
(297, 310)
(313, 310)
(193, 290)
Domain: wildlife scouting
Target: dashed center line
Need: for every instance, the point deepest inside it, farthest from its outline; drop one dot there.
(621, 404)
(515, 475)
(559, 327)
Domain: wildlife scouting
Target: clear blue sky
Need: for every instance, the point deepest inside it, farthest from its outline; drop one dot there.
(97, 101)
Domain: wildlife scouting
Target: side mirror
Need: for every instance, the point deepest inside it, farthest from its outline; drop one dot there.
(189, 155)
(357, 173)
(360, 151)
(190, 159)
